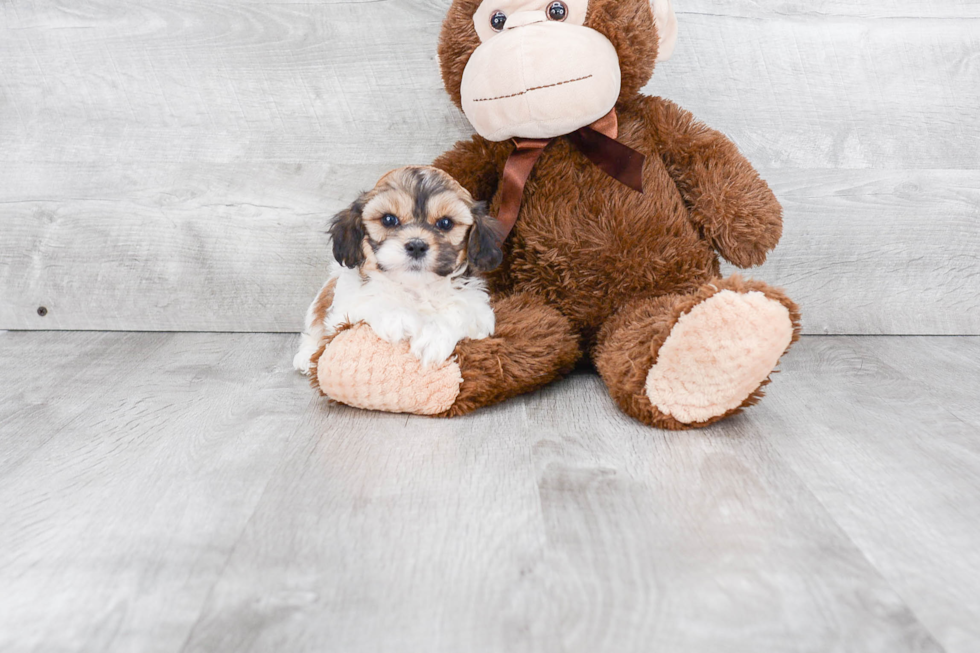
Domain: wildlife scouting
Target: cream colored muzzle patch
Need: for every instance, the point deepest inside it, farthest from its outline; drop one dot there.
(540, 80)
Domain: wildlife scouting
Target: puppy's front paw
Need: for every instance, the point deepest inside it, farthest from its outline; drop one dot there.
(433, 345)
(395, 326)
(302, 362)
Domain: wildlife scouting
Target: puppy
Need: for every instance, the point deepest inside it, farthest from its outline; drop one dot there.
(407, 253)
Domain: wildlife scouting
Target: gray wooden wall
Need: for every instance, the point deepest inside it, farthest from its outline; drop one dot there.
(171, 164)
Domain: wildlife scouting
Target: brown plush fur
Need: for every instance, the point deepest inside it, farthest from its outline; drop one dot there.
(532, 346)
(619, 266)
(588, 244)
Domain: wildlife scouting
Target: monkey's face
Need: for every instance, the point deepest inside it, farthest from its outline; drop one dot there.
(543, 68)
(539, 71)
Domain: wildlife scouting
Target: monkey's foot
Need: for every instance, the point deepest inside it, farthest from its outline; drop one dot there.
(718, 355)
(360, 369)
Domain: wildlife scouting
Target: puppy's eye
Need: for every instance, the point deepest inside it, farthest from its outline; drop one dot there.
(497, 21)
(389, 220)
(445, 224)
(558, 11)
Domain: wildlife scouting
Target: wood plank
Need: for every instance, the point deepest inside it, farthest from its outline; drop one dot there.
(85, 364)
(832, 91)
(115, 528)
(220, 81)
(223, 247)
(880, 251)
(243, 248)
(195, 80)
(827, 9)
(884, 432)
(549, 523)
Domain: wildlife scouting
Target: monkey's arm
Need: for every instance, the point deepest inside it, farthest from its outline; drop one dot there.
(476, 164)
(725, 195)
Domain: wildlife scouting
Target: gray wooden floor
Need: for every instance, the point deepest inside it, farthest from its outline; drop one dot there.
(188, 492)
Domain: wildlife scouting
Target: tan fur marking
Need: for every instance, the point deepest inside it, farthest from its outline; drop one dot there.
(323, 302)
(394, 200)
(449, 205)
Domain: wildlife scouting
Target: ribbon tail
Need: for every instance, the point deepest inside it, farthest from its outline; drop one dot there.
(516, 172)
(617, 160)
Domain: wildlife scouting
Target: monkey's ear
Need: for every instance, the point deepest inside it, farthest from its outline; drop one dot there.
(666, 21)
(347, 234)
(483, 249)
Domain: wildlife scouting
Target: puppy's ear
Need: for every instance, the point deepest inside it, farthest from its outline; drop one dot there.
(483, 249)
(347, 234)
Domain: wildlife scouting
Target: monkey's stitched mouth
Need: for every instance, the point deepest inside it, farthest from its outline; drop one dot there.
(536, 88)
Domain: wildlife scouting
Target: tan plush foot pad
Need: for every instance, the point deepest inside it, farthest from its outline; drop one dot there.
(360, 369)
(718, 354)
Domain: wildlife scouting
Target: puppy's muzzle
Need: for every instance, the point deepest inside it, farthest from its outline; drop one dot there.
(417, 248)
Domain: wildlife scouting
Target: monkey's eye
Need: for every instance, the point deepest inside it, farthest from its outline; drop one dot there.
(558, 11)
(497, 21)
(445, 224)
(389, 220)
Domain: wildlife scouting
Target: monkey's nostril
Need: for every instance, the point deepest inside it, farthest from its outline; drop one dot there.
(416, 248)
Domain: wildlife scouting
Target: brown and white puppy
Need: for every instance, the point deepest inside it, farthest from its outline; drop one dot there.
(406, 253)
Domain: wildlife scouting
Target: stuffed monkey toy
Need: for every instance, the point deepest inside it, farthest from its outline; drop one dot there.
(616, 206)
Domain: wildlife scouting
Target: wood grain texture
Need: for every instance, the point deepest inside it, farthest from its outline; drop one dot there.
(810, 90)
(190, 80)
(954, 9)
(885, 434)
(170, 166)
(201, 499)
(130, 464)
(858, 253)
(880, 251)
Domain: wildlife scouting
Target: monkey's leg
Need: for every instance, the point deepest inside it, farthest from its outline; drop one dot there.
(686, 361)
(532, 345)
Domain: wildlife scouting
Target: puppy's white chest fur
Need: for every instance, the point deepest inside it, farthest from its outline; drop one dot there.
(432, 312)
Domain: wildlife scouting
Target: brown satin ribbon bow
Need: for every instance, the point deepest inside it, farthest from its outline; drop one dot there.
(596, 141)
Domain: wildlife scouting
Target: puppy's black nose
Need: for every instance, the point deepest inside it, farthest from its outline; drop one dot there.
(416, 248)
